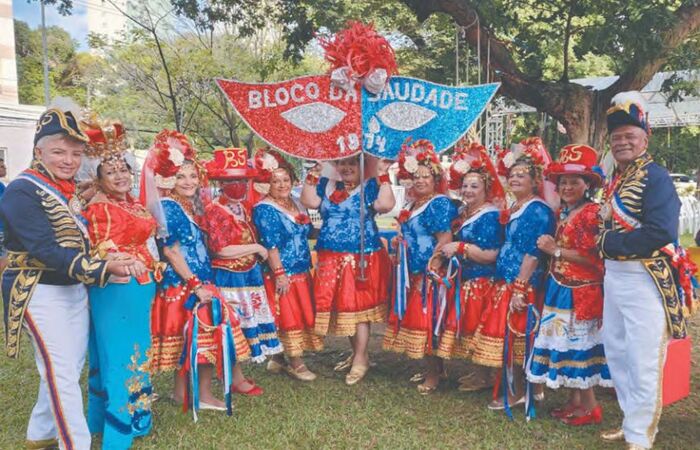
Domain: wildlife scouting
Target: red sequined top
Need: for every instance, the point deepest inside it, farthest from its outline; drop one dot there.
(579, 233)
(224, 229)
(122, 226)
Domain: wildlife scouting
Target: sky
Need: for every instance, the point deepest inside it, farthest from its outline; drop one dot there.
(75, 24)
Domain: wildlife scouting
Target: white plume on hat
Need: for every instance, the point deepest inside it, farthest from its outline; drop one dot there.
(623, 98)
(66, 104)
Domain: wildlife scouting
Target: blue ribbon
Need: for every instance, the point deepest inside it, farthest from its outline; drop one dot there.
(530, 329)
(194, 367)
(458, 301)
(402, 281)
(507, 374)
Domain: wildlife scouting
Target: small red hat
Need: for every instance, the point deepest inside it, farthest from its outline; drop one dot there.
(576, 159)
(230, 164)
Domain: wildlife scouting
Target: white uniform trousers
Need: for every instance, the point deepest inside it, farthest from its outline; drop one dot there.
(58, 322)
(635, 337)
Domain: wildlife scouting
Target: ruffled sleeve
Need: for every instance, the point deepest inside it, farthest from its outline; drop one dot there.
(270, 228)
(537, 220)
(99, 222)
(438, 215)
(177, 221)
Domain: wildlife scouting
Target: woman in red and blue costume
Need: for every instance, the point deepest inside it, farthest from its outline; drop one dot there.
(188, 280)
(415, 327)
(346, 305)
(520, 270)
(237, 259)
(284, 227)
(478, 238)
(569, 349)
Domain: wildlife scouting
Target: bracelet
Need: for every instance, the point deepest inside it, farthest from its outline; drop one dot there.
(520, 286)
(193, 283)
(384, 179)
(464, 250)
(312, 179)
(279, 271)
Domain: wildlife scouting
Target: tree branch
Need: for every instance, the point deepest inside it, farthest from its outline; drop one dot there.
(644, 65)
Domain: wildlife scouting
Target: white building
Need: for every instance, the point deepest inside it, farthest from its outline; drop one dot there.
(106, 20)
(17, 122)
(8, 66)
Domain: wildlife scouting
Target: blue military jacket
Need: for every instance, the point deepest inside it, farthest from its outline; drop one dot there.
(640, 222)
(47, 243)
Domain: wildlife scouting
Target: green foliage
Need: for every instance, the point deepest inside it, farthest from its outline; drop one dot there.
(68, 70)
(678, 149)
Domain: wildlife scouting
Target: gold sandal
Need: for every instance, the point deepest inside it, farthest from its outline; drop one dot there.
(356, 374)
(344, 364)
(425, 390)
(420, 376)
(301, 373)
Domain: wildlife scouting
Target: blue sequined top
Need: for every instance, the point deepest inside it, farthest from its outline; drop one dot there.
(341, 222)
(279, 230)
(419, 230)
(486, 232)
(183, 230)
(525, 227)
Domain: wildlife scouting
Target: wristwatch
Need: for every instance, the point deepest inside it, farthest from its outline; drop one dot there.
(557, 253)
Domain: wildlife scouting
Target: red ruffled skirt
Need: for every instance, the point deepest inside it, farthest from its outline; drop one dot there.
(476, 297)
(294, 315)
(489, 336)
(342, 301)
(168, 319)
(414, 335)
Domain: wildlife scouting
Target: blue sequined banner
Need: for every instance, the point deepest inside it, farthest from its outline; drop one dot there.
(419, 109)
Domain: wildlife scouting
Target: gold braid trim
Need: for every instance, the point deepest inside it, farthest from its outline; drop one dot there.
(20, 294)
(660, 271)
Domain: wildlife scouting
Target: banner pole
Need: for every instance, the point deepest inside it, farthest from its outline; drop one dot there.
(363, 261)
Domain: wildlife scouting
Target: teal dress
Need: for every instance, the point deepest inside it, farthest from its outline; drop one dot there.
(119, 384)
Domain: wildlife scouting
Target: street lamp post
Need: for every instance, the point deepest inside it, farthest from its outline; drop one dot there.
(45, 55)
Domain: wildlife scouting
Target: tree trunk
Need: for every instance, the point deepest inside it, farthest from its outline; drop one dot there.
(580, 110)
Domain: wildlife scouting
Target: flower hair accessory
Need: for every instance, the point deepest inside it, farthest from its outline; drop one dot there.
(419, 153)
(474, 159)
(532, 157)
(266, 161)
(168, 153)
(359, 53)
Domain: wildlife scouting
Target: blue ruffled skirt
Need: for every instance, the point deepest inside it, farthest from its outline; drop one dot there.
(245, 292)
(568, 352)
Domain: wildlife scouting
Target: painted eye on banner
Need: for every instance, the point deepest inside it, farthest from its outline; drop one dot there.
(315, 117)
(404, 116)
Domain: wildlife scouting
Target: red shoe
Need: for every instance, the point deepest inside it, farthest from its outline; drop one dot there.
(563, 412)
(594, 416)
(254, 391)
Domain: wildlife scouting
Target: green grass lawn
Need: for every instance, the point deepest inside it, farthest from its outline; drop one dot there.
(383, 411)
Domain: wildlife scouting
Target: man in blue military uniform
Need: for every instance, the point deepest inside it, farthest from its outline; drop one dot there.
(642, 303)
(43, 286)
